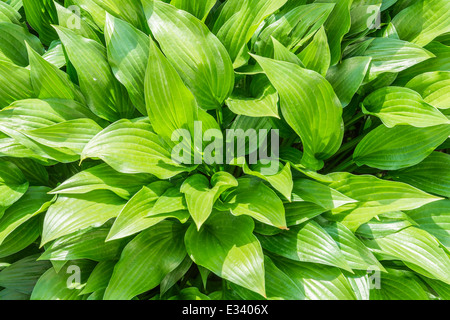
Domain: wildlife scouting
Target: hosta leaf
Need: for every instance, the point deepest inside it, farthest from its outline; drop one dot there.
(307, 243)
(63, 285)
(103, 177)
(442, 289)
(85, 244)
(15, 84)
(300, 212)
(145, 151)
(399, 285)
(293, 28)
(318, 47)
(146, 260)
(50, 82)
(347, 77)
(281, 181)
(137, 214)
(9, 14)
(225, 242)
(435, 219)
(336, 26)
(72, 135)
(105, 96)
(423, 21)
(100, 276)
(301, 105)
(200, 196)
(416, 247)
(280, 52)
(40, 15)
(22, 275)
(278, 285)
(55, 54)
(70, 19)
(374, 196)
(20, 238)
(355, 252)
(429, 175)
(198, 8)
(127, 10)
(128, 51)
(174, 276)
(14, 39)
(326, 197)
(392, 55)
(264, 103)
(238, 21)
(171, 201)
(198, 56)
(71, 213)
(319, 282)
(33, 202)
(253, 198)
(399, 147)
(170, 104)
(434, 88)
(402, 106)
(13, 184)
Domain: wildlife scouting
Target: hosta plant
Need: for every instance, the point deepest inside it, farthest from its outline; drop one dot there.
(231, 149)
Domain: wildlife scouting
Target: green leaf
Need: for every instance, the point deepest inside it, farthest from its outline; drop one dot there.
(137, 215)
(374, 196)
(174, 276)
(13, 184)
(263, 101)
(423, 21)
(15, 84)
(71, 213)
(33, 202)
(22, 275)
(324, 196)
(307, 243)
(84, 244)
(292, 28)
(355, 252)
(50, 82)
(301, 103)
(434, 88)
(428, 175)
(347, 77)
(318, 47)
(72, 135)
(238, 20)
(100, 276)
(40, 15)
(402, 106)
(392, 55)
(319, 282)
(278, 285)
(224, 242)
(280, 52)
(171, 201)
(200, 196)
(128, 52)
(300, 212)
(435, 219)
(399, 147)
(103, 177)
(399, 285)
(417, 248)
(62, 285)
(146, 260)
(170, 104)
(128, 10)
(336, 26)
(198, 56)
(146, 152)
(198, 8)
(14, 39)
(105, 96)
(9, 14)
(253, 198)
(21, 238)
